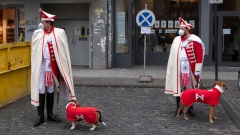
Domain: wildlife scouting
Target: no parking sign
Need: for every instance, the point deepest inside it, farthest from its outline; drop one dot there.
(145, 18)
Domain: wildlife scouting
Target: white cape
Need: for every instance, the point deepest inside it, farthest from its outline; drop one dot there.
(61, 51)
(172, 84)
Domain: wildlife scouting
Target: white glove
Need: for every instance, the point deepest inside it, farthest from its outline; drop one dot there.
(197, 73)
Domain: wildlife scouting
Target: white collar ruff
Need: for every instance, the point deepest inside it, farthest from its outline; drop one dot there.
(219, 89)
(70, 103)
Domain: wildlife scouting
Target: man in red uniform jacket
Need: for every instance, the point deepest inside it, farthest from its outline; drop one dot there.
(50, 61)
(184, 63)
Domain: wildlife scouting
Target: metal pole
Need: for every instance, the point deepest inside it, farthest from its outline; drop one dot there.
(145, 40)
(216, 41)
(144, 54)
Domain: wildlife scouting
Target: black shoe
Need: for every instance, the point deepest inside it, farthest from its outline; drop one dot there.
(39, 121)
(191, 112)
(53, 118)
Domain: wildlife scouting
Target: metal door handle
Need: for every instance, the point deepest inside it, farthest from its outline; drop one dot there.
(74, 41)
(222, 42)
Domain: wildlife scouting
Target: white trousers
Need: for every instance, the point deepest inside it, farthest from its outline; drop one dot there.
(185, 68)
(42, 87)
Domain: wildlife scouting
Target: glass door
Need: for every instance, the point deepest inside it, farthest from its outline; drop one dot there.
(229, 38)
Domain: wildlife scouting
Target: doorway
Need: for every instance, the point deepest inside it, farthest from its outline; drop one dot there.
(229, 38)
(77, 32)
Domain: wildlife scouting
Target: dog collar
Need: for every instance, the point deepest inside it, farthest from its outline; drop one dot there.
(70, 103)
(219, 88)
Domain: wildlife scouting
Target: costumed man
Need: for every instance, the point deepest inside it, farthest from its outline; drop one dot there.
(50, 67)
(184, 63)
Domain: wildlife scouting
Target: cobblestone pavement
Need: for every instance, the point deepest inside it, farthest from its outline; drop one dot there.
(126, 111)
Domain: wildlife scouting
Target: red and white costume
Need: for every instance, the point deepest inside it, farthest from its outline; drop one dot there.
(186, 56)
(81, 113)
(50, 53)
(211, 97)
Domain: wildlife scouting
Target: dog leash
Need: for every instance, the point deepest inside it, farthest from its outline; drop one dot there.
(199, 83)
(57, 99)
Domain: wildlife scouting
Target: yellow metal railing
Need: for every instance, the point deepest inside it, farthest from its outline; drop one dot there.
(15, 70)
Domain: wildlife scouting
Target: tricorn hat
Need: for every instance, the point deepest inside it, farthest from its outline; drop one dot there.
(185, 24)
(46, 16)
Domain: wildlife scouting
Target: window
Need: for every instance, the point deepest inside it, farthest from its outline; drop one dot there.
(21, 25)
(166, 25)
(121, 27)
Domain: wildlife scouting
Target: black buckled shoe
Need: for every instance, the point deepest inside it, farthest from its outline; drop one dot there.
(39, 120)
(53, 118)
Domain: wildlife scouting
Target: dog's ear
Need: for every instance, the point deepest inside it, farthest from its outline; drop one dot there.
(214, 84)
(225, 86)
(77, 104)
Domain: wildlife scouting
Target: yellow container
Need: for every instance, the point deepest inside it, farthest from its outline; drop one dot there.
(15, 71)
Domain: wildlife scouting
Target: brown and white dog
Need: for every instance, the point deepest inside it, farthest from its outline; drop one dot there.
(211, 97)
(77, 113)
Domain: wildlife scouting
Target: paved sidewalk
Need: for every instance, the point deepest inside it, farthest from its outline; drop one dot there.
(130, 107)
(127, 77)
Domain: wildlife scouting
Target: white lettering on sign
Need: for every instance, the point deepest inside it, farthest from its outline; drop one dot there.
(215, 1)
(145, 30)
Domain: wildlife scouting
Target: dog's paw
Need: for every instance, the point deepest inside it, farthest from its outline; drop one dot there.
(211, 121)
(186, 118)
(104, 123)
(215, 117)
(93, 128)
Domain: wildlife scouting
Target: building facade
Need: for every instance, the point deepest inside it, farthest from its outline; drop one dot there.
(104, 33)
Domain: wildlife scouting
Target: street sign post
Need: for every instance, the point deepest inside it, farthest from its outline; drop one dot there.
(215, 2)
(145, 19)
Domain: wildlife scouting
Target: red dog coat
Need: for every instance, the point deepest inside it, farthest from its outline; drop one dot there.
(79, 113)
(211, 97)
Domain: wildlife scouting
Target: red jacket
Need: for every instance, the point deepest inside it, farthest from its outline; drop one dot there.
(195, 53)
(211, 97)
(81, 113)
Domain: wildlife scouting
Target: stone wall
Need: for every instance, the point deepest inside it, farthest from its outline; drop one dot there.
(99, 31)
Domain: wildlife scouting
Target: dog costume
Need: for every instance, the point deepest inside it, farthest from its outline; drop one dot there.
(211, 97)
(75, 113)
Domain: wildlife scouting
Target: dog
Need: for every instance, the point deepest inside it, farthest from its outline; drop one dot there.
(76, 113)
(211, 97)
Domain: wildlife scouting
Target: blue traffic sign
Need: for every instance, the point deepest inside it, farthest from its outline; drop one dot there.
(145, 18)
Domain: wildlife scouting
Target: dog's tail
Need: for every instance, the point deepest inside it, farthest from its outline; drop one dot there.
(100, 119)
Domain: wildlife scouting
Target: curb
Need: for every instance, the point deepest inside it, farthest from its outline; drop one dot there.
(230, 113)
(125, 82)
